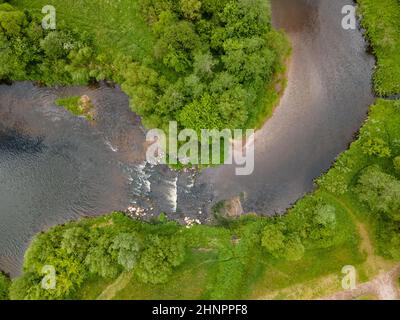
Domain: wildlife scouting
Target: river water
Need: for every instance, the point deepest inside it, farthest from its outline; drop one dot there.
(55, 167)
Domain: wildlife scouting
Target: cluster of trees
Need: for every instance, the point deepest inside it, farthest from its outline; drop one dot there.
(78, 251)
(311, 224)
(28, 52)
(211, 61)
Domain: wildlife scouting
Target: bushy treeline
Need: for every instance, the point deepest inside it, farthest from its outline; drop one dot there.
(102, 247)
(368, 176)
(212, 61)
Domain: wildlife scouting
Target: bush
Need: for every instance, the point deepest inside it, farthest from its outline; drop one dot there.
(396, 164)
(380, 191)
(376, 147)
(281, 243)
(5, 283)
(159, 257)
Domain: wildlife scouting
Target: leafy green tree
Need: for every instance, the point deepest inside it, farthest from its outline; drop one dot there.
(326, 216)
(194, 87)
(294, 249)
(12, 21)
(380, 191)
(376, 147)
(231, 105)
(57, 44)
(101, 258)
(281, 243)
(273, 239)
(203, 64)
(190, 9)
(75, 242)
(201, 114)
(159, 258)
(128, 247)
(322, 227)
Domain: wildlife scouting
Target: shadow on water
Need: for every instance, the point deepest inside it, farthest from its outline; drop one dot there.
(16, 143)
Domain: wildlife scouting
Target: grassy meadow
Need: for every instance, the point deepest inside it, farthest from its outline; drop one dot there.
(381, 21)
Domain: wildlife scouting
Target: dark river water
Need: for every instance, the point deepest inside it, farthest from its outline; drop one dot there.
(55, 167)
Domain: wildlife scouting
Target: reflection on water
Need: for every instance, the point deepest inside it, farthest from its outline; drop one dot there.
(55, 167)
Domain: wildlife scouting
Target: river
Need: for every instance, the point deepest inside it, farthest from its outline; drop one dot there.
(55, 167)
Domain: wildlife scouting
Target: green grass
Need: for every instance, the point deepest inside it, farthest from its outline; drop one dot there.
(71, 104)
(92, 288)
(381, 20)
(188, 282)
(279, 274)
(216, 267)
(4, 286)
(117, 26)
(74, 105)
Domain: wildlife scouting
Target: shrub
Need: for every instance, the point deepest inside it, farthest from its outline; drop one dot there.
(380, 191)
(5, 283)
(159, 257)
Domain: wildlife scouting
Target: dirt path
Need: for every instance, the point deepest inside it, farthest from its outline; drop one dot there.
(384, 274)
(116, 286)
(384, 284)
(384, 287)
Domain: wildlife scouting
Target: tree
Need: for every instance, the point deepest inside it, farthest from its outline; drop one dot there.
(101, 258)
(190, 9)
(159, 258)
(75, 242)
(231, 105)
(294, 249)
(376, 147)
(273, 239)
(12, 21)
(203, 64)
(57, 44)
(322, 226)
(201, 114)
(380, 191)
(280, 243)
(394, 246)
(128, 247)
